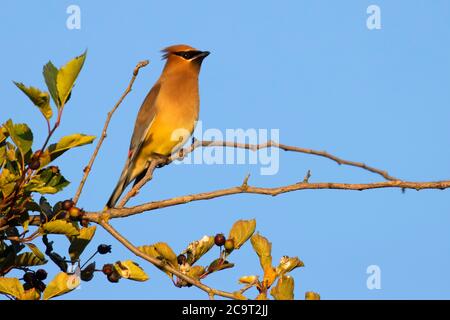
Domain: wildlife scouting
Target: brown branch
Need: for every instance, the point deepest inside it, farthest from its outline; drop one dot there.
(160, 264)
(125, 212)
(88, 168)
(271, 144)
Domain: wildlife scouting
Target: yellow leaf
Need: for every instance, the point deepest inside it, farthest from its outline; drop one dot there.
(197, 249)
(30, 294)
(65, 143)
(284, 290)
(66, 77)
(241, 231)
(263, 249)
(248, 279)
(288, 264)
(130, 270)
(79, 243)
(166, 253)
(61, 284)
(261, 296)
(312, 296)
(270, 275)
(60, 227)
(12, 287)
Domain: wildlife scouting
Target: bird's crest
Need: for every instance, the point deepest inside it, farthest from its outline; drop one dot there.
(176, 48)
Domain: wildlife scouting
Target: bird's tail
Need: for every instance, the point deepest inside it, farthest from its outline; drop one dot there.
(120, 187)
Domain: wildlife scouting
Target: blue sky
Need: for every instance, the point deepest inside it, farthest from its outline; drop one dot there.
(311, 69)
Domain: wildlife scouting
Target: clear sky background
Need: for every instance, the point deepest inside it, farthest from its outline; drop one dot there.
(311, 69)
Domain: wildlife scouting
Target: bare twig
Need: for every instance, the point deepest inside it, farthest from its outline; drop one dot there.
(271, 144)
(148, 176)
(88, 168)
(125, 212)
(160, 264)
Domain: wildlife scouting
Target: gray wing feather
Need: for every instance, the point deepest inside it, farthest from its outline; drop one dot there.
(144, 119)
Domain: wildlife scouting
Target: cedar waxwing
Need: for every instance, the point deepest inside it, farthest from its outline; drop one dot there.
(167, 116)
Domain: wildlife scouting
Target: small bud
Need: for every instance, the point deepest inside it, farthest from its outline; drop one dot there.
(55, 169)
(104, 249)
(35, 164)
(75, 213)
(229, 245)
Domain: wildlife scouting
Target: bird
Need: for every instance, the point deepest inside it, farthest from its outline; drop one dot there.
(167, 117)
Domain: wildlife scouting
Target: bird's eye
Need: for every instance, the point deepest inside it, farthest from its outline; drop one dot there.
(188, 55)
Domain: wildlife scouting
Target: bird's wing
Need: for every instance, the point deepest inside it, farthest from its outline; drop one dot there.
(144, 120)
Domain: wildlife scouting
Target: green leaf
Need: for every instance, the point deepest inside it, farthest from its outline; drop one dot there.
(79, 243)
(21, 135)
(60, 227)
(50, 73)
(64, 144)
(130, 270)
(197, 249)
(39, 98)
(12, 287)
(66, 77)
(284, 290)
(47, 182)
(61, 284)
(28, 259)
(241, 231)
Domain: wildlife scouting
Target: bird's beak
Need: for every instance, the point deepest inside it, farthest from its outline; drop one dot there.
(202, 55)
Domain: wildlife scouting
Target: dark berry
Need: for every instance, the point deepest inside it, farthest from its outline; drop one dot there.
(29, 277)
(108, 269)
(229, 245)
(35, 164)
(181, 259)
(67, 204)
(113, 277)
(219, 239)
(40, 286)
(104, 249)
(41, 274)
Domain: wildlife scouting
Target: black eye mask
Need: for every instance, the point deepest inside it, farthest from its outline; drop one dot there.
(188, 55)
